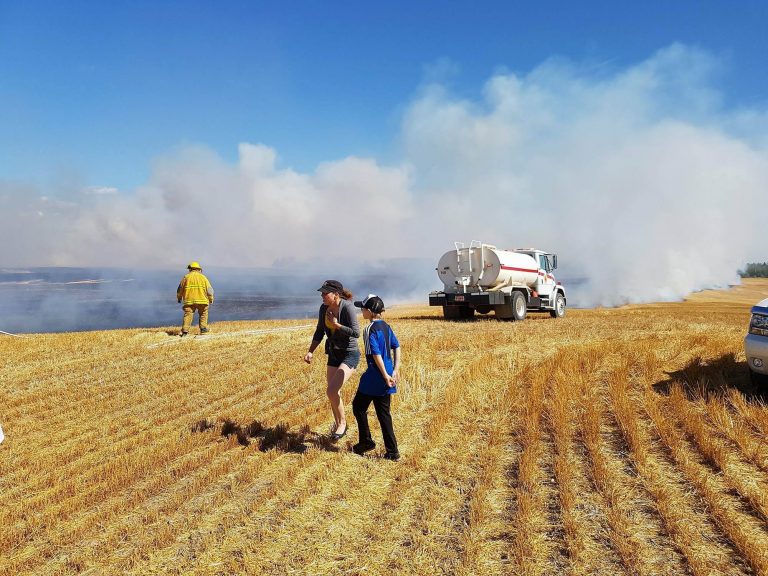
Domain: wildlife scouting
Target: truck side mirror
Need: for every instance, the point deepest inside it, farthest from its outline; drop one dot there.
(554, 261)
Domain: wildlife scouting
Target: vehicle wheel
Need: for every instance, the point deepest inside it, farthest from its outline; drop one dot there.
(466, 312)
(758, 379)
(519, 307)
(451, 312)
(559, 310)
(483, 309)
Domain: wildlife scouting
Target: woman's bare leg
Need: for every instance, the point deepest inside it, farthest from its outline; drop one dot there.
(336, 378)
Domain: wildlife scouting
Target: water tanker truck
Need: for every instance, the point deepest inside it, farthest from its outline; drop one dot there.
(482, 278)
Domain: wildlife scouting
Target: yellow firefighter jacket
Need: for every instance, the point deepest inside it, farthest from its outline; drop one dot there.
(195, 288)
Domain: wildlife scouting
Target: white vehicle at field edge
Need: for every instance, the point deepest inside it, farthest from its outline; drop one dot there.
(482, 278)
(756, 343)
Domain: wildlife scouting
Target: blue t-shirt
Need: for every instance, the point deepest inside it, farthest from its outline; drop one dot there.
(378, 338)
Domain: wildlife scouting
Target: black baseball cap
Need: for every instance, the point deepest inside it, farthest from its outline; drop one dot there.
(372, 303)
(331, 286)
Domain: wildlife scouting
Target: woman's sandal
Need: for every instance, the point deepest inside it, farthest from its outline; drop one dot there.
(336, 436)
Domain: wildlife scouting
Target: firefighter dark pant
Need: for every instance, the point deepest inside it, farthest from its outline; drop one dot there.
(381, 404)
(189, 312)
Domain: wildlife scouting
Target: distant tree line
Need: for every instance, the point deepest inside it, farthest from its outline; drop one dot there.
(755, 270)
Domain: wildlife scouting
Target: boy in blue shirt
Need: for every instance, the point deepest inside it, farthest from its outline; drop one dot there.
(379, 381)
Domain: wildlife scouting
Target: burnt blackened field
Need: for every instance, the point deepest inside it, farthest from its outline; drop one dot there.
(75, 299)
(67, 299)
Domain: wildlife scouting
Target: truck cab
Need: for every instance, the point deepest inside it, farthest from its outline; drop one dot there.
(547, 263)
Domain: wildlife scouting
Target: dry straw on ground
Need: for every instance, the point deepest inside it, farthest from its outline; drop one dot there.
(613, 441)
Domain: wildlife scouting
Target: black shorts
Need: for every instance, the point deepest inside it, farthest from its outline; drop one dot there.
(349, 357)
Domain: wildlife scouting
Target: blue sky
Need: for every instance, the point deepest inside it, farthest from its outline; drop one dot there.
(93, 92)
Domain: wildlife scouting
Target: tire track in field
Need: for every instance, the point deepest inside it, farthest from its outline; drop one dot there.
(581, 542)
(628, 533)
(744, 532)
(746, 479)
(529, 546)
(731, 425)
(687, 530)
(706, 549)
(482, 548)
(667, 556)
(755, 416)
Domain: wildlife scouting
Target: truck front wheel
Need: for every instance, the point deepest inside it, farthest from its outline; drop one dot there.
(559, 310)
(760, 380)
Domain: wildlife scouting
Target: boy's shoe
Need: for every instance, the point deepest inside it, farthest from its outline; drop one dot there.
(363, 447)
(183, 334)
(395, 456)
(203, 330)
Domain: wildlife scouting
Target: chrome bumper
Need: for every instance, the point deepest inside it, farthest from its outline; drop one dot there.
(756, 348)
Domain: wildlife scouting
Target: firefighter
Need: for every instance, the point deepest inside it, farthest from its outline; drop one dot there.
(197, 293)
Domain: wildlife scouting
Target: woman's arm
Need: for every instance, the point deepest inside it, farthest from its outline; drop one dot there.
(348, 319)
(320, 328)
(317, 337)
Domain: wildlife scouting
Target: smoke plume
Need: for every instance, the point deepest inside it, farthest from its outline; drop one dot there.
(642, 179)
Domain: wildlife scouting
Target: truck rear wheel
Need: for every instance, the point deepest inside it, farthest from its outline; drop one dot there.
(559, 310)
(458, 312)
(451, 312)
(519, 307)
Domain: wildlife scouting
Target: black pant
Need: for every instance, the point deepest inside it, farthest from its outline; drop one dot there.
(381, 403)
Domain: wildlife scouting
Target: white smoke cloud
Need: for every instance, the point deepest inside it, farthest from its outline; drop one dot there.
(641, 179)
(635, 179)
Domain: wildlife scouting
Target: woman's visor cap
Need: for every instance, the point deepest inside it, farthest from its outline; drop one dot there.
(331, 286)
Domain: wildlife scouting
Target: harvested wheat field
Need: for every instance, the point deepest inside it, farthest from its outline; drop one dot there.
(612, 441)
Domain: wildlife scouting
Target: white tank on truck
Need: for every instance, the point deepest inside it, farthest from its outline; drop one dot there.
(482, 278)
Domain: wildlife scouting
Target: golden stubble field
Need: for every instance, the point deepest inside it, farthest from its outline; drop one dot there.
(613, 441)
